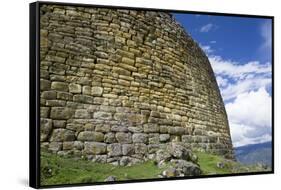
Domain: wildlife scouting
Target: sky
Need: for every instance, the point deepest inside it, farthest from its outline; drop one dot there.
(239, 50)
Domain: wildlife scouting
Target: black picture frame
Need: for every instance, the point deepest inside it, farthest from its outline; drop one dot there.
(34, 93)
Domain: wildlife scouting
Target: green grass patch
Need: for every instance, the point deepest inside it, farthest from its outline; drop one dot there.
(208, 164)
(60, 170)
(57, 170)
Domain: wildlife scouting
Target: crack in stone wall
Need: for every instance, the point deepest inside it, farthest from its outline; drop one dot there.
(118, 83)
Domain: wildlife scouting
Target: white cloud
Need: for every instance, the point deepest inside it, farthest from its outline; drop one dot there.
(248, 104)
(222, 82)
(206, 28)
(241, 78)
(239, 135)
(213, 42)
(231, 91)
(207, 49)
(250, 117)
(234, 69)
(251, 108)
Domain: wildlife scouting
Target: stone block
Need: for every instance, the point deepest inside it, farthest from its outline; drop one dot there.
(44, 112)
(90, 136)
(96, 91)
(186, 138)
(83, 99)
(122, 137)
(176, 130)
(128, 149)
(59, 123)
(55, 146)
(114, 149)
(140, 138)
(94, 148)
(140, 148)
(49, 95)
(74, 88)
(103, 115)
(60, 86)
(164, 137)
(59, 135)
(109, 138)
(45, 128)
(82, 114)
(151, 128)
(61, 113)
(102, 128)
(86, 90)
(45, 84)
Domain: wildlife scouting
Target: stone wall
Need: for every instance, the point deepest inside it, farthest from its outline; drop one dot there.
(120, 83)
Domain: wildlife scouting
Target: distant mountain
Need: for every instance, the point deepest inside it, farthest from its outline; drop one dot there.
(255, 153)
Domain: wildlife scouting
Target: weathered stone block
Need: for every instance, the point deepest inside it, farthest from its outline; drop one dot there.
(86, 90)
(151, 128)
(102, 128)
(121, 71)
(140, 138)
(49, 95)
(176, 130)
(44, 112)
(45, 84)
(123, 137)
(55, 103)
(102, 115)
(59, 123)
(64, 95)
(107, 108)
(61, 86)
(140, 148)
(68, 145)
(94, 148)
(114, 149)
(96, 91)
(138, 129)
(164, 137)
(154, 138)
(186, 138)
(89, 127)
(55, 146)
(59, 11)
(45, 128)
(74, 88)
(56, 59)
(78, 145)
(109, 138)
(90, 136)
(82, 114)
(128, 149)
(61, 113)
(83, 99)
(119, 128)
(59, 135)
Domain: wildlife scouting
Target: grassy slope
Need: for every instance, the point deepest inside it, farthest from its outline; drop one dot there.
(59, 170)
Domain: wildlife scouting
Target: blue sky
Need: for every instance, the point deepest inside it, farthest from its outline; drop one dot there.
(239, 50)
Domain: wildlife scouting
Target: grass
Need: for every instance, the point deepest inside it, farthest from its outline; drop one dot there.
(208, 164)
(56, 170)
(59, 170)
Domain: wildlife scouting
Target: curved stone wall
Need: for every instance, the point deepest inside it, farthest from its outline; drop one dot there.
(120, 83)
